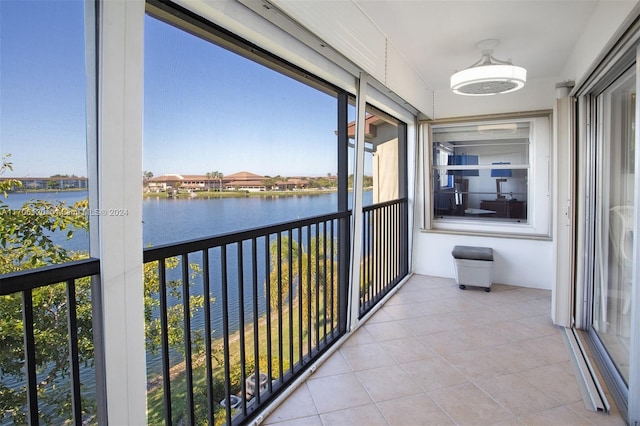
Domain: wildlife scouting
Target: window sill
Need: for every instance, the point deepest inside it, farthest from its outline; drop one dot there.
(495, 229)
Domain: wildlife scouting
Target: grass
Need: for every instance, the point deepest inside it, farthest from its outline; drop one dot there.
(155, 394)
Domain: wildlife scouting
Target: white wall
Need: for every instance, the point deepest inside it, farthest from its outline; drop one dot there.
(525, 263)
(535, 95)
(518, 261)
(607, 19)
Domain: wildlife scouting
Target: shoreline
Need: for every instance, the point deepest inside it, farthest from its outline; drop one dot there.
(233, 194)
(205, 195)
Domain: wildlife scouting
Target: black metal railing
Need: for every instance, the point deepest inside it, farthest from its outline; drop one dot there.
(385, 251)
(53, 304)
(240, 315)
(231, 320)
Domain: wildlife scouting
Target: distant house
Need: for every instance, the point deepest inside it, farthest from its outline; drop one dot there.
(241, 181)
(175, 181)
(291, 184)
(54, 182)
(245, 181)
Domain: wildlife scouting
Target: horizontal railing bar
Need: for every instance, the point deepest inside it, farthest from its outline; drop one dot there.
(164, 251)
(385, 204)
(33, 278)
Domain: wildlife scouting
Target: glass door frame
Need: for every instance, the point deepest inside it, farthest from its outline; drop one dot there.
(591, 133)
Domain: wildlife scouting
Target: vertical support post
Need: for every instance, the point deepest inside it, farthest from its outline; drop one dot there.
(403, 192)
(118, 153)
(356, 221)
(92, 29)
(343, 206)
(562, 297)
(30, 358)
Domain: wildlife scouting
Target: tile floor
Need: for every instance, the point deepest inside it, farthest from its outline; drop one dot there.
(438, 355)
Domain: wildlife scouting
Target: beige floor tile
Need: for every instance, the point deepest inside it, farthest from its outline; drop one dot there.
(367, 415)
(463, 339)
(536, 306)
(517, 395)
(380, 316)
(478, 364)
(430, 324)
(298, 405)
(386, 383)
(434, 373)
(414, 410)
(515, 357)
(405, 297)
(516, 329)
(556, 380)
(468, 405)
(488, 315)
(549, 349)
(387, 331)
(467, 357)
(359, 337)
(423, 325)
(463, 303)
(513, 295)
(337, 393)
(509, 422)
(408, 349)
(336, 364)
(514, 311)
(447, 342)
(414, 310)
(597, 417)
(441, 293)
(370, 355)
(304, 421)
(538, 325)
(554, 416)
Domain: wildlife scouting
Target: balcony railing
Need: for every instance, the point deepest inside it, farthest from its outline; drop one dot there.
(46, 302)
(255, 308)
(231, 320)
(385, 252)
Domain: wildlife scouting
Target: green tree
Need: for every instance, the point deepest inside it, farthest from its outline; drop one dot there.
(310, 273)
(26, 243)
(218, 175)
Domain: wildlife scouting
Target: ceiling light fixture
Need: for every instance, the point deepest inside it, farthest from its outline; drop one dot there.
(488, 76)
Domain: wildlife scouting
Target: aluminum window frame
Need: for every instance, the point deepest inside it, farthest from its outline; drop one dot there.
(539, 195)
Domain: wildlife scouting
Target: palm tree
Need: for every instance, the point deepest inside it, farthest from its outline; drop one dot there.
(218, 175)
(311, 278)
(208, 175)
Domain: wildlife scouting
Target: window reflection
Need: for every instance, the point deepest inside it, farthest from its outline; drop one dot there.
(614, 223)
(481, 171)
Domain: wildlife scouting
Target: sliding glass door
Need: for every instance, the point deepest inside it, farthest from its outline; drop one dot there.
(615, 202)
(607, 298)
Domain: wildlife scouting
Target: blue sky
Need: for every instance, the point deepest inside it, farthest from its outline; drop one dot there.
(206, 109)
(42, 87)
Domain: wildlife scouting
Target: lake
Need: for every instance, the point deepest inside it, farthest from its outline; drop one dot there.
(174, 220)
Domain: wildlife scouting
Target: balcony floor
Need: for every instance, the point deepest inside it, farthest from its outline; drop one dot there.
(434, 354)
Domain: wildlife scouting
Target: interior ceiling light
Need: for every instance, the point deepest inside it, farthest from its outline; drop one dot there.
(488, 76)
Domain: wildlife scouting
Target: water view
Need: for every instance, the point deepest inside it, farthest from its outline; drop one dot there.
(174, 220)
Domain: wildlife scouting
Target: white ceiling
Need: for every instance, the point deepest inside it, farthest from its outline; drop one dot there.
(438, 37)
